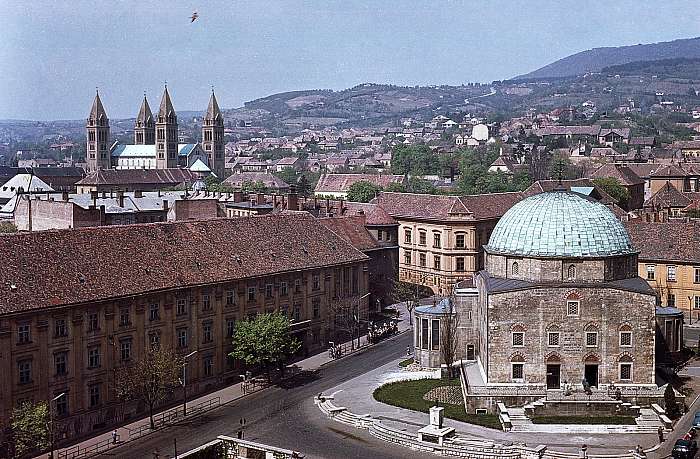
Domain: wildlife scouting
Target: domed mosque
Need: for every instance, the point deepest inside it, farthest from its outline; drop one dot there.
(559, 300)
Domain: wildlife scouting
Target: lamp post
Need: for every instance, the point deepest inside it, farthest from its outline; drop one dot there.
(356, 317)
(53, 400)
(184, 382)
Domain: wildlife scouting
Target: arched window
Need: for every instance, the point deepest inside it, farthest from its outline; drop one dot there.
(591, 335)
(517, 367)
(625, 367)
(571, 272)
(625, 336)
(514, 268)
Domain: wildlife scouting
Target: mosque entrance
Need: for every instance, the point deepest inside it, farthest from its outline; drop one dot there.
(591, 374)
(553, 376)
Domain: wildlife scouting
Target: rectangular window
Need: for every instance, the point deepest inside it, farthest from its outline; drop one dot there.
(651, 271)
(125, 349)
(625, 372)
(316, 303)
(459, 241)
(407, 257)
(154, 312)
(591, 339)
(230, 327)
(696, 302)
(60, 328)
(696, 277)
(671, 273)
(572, 308)
(297, 286)
(251, 293)
(518, 371)
(671, 300)
(424, 334)
(93, 321)
(316, 282)
(518, 339)
(268, 291)
(460, 263)
(94, 357)
(181, 337)
(422, 238)
(206, 302)
(62, 405)
(407, 236)
(207, 335)
(436, 262)
(297, 312)
(24, 334)
(380, 235)
(230, 298)
(435, 339)
(283, 289)
(124, 318)
(154, 340)
(94, 395)
(208, 363)
(181, 308)
(626, 338)
(422, 259)
(60, 363)
(553, 339)
(436, 241)
(24, 369)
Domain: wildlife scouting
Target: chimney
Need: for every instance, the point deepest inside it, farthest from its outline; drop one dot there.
(292, 199)
(260, 199)
(120, 197)
(237, 196)
(64, 196)
(138, 194)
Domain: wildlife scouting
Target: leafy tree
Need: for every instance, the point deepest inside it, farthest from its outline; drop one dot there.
(405, 292)
(151, 379)
(288, 174)
(254, 187)
(418, 185)
(265, 341)
(414, 160)
(7, 227)
(612, 186)
(363, 191)
(449, 335)
(396, 187)
(214, 183)
(31, 426)
(672, 409)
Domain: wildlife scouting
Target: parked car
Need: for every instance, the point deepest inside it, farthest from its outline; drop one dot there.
(684, 449)
(696, 420)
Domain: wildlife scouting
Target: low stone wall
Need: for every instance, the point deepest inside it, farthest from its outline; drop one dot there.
(582, 408)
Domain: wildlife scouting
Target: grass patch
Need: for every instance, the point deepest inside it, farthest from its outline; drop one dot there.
(409, 394)
(405, 363)
(610, 420)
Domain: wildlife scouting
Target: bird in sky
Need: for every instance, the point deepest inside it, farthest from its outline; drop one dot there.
(194, 17)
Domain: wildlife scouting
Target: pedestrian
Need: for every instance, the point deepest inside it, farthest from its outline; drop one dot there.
(661, 434)
(114, 437)
(408, 350)
(156, 454)
(240, 434)
(584, 451)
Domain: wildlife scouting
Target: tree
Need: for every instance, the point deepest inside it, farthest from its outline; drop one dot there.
(363, 191)
(449, 329)
(614, 188)
(396, 187)
(264, 341)
(249, 186)
(343, 316)
(7, 227)
(404, 292)
(414, 160)
(214, 183)
(672, 409)
(288, 175)
(151, 379)
(31, 426)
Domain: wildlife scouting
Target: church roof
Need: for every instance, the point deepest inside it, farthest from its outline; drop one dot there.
(199, 166)
(213, 112)
(147, 151)
(145, 115)
(560, 224)
(97, 111)
(166, 105)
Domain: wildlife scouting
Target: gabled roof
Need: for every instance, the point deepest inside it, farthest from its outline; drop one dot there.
(27, 182)
(667, 196)
(374, 214)
(269, 180)
(108, 262)
(623, 174)
(352, 229)
(330, 183)
(199, 166)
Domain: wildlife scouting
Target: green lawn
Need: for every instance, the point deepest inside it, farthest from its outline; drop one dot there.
(409, 394)
(405, 363)
(610, 420)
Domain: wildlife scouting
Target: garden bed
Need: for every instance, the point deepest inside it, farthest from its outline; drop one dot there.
(409, 395)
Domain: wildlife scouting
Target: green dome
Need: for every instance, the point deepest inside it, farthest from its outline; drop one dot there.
(560, 224)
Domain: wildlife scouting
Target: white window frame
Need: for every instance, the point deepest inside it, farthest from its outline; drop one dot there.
(651, 269)
(512, 338)
(578, 307)
(619, 370)
(592, 333)
(549, 339)
(671, 273)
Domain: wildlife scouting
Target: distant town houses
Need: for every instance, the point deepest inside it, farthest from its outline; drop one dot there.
(337, 185)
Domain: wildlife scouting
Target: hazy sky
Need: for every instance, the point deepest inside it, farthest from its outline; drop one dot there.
(53, 53)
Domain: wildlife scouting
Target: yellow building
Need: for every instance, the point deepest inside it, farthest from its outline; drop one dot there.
(670, 262)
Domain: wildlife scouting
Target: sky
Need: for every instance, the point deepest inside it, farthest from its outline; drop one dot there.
(53, 54)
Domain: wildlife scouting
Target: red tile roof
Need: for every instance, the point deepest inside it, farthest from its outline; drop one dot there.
(668, 241)
(330, 183)
(667, 196)
(623, 174)
(374, 214)
(351, 229)
(138, 176)
(63, 267)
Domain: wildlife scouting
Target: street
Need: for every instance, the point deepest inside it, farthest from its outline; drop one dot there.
(286, 417)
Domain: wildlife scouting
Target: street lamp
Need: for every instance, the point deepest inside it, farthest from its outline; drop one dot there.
(184, 382)
(51, 420)
(356, 317)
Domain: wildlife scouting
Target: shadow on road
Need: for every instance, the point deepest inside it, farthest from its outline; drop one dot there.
(300, 379)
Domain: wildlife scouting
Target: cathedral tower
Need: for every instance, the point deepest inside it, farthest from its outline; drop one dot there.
(97, 127)
(213, 136)
(166, 134)
(145, 127)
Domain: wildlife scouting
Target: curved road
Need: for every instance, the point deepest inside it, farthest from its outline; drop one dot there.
(286, 417)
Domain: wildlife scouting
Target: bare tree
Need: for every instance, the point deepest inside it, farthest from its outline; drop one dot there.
(151, 379)
(343, 317)
(404, 292)
(449, 339)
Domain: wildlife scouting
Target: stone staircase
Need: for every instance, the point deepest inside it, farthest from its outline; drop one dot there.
(649, 421)
(519, 420)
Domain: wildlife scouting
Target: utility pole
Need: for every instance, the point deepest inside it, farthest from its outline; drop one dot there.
(184, 382)
(51, 429)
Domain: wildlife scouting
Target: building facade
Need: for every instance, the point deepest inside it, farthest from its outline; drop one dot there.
(112, 292)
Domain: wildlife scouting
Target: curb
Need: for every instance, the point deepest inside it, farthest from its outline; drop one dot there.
(363, 349)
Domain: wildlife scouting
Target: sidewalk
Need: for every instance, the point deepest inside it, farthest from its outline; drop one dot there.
(226, 395)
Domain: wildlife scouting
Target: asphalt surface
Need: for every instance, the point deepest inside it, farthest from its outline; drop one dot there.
(285, 417)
